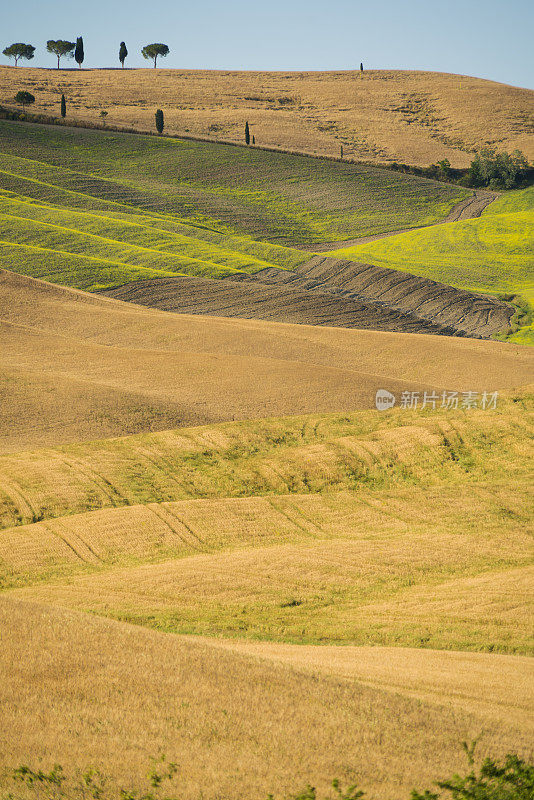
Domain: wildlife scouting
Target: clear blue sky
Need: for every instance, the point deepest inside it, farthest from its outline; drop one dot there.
(486, 38)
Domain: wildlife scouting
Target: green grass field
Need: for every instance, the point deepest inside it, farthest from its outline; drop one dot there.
(93, 250)
(491, 254)
(96, 210)
(270, 196)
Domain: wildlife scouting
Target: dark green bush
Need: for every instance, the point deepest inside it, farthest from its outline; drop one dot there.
(498, 170)
(24, 98)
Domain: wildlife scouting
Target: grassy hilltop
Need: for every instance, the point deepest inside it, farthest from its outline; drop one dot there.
(384, 116)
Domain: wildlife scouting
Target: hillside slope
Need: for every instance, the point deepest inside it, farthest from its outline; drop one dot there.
(273, 197)
(384, 115)
(144, 368)
(493, 253)
(143, 688)
(326, 528)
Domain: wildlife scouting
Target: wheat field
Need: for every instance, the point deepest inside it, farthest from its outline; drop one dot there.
(342, 534)
(212, 545)
(133, 369)
(383, 116)
(85, 691)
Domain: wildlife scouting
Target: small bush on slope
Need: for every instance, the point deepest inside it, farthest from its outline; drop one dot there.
(513, 779)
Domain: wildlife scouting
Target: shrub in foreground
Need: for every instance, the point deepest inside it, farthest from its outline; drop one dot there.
(510, 779)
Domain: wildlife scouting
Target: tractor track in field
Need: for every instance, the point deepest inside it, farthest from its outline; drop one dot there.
(267, 297)
(329, 291)
(470, 208)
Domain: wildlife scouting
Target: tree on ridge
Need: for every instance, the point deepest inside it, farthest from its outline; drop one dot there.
(123, 53)
(19, 50)
(152, 51)
(60, 48)
(78, 51)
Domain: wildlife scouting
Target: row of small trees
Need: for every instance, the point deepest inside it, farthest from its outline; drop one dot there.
(26, 99)
(62, 48)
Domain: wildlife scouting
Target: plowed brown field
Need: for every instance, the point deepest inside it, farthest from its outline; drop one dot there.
(148, 369)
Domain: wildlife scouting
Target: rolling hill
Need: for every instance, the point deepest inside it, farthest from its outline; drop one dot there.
(98, 683)
(491, 254)
(212, 545)
(111, 215)
(135, 368)
(344, 530)
(274, 197)
(382, 116)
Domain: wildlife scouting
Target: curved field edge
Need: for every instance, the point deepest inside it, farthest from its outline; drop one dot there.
(142, 688)
(276, 456)
(383, 116)
(492, 254)
(335, 569)
(324, 528)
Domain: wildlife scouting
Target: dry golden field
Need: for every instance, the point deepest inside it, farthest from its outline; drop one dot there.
(386, 115)
(377, 565)
(212, 545)
(82, 690)
(496, 687)
(84, 367)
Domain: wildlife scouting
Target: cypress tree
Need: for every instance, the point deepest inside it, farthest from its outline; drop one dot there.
(361, 67)
(253, 140)
(247, 133)
(63, 106)
(123, 52)
(78, 51)
(159, 120)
